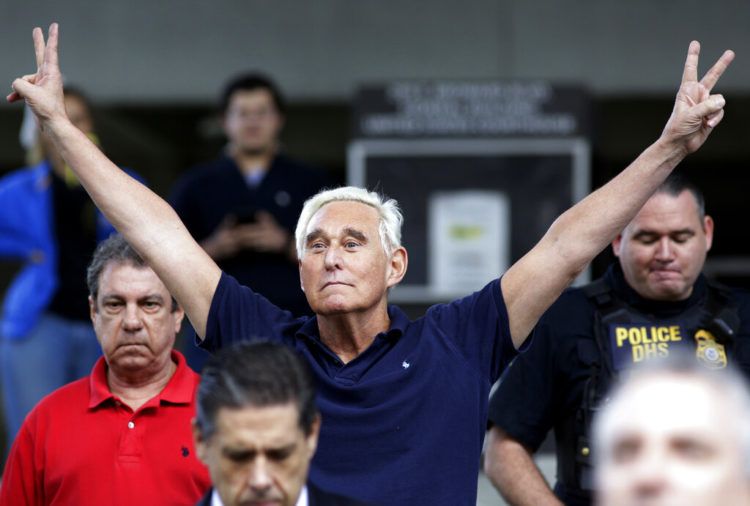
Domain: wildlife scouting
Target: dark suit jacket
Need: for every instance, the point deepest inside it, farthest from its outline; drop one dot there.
(316, 497)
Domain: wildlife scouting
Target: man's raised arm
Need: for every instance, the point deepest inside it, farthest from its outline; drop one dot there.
(146, 221)
(578, 235)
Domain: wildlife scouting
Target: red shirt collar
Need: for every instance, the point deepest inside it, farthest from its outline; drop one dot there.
(179, 390)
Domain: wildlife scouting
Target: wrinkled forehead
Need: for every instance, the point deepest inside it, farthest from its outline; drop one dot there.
(334, 217)
(122, 277)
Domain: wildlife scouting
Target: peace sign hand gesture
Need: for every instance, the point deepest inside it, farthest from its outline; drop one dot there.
(696, 112)
(43, 91)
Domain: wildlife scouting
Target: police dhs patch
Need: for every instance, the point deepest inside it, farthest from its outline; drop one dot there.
(633, 343)
(708, 351)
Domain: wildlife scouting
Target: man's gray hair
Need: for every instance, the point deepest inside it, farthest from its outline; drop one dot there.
(391, 218)
(728, 383)
(113, 249)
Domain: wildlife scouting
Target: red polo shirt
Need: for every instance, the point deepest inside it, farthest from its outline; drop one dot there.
(82, 446)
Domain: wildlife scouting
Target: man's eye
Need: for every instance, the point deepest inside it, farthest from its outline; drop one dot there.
(279, 455)
(240, 457)
(351, 244)
(625, 451)
(692, 449)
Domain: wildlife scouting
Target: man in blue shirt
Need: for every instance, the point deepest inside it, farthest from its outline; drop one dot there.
(403, 403)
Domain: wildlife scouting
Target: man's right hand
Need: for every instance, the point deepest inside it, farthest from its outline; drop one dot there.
(147, 222)
(43, 90)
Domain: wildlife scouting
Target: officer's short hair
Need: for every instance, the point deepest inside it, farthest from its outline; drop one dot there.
(728, 383)
(114, 249)
(677, 183)
(257, 374)
(252, 81)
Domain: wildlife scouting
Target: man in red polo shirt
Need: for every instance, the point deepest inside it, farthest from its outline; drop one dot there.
(122, 435)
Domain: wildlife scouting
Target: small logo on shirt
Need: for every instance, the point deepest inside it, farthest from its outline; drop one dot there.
(405, 364)
(185, 451)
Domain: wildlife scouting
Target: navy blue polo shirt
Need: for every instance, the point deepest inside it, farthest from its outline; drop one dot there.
(403, 423)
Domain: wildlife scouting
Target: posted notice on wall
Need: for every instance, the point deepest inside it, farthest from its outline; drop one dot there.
(469, 234)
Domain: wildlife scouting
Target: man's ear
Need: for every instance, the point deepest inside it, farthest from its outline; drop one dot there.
(397, 264)
(179, 315)
(617, 245)
(92, 308)
(299, 267)
(708, 229)
(312, 437)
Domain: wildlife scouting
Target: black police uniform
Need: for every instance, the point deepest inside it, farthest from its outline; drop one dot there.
(585, 338)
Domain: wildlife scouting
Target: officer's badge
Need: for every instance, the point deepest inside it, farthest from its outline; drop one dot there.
(708, 351)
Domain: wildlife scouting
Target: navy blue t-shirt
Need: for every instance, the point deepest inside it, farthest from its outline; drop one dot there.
(403, 423)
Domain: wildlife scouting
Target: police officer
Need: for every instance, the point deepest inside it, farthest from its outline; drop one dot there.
(653, 301)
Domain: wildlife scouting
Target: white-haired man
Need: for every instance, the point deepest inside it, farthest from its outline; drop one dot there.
(675, 433)
(404, 403)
